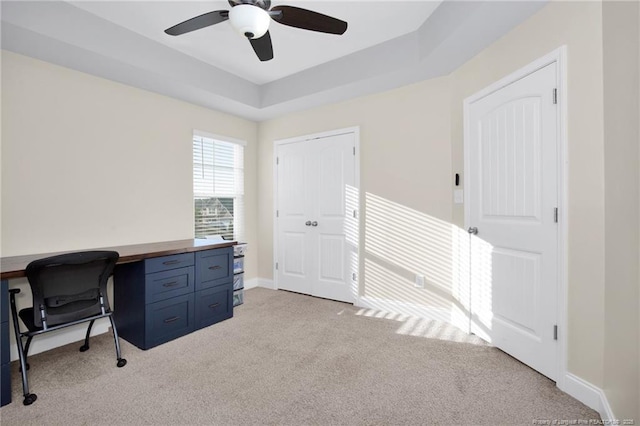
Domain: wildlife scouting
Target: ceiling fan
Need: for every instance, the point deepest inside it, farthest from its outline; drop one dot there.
(251, 19)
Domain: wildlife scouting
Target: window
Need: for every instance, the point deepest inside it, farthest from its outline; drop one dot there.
(218, 187)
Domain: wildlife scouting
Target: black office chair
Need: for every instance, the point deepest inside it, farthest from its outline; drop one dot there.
(67, 289)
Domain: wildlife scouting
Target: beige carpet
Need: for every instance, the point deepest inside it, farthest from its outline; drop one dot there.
(288, 359)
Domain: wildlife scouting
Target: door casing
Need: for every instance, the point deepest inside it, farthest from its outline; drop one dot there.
(558, 57)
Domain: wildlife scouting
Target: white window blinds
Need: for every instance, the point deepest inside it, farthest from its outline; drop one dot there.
(218, 188)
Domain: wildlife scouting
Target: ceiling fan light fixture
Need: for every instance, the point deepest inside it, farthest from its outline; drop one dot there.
(250, 21)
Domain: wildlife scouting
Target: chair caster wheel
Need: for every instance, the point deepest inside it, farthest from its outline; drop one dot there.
(84, 348)
(30, 399)
(121, 362)
(20, 368)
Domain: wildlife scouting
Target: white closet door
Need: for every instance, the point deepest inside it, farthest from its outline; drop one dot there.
(295, 207)
(316, 224)
(335, 254)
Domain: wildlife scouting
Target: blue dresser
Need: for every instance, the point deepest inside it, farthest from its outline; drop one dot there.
(181, 293)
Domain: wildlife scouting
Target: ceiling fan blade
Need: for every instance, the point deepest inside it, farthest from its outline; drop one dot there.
(308, 20)
(202, 21)
(263, 47)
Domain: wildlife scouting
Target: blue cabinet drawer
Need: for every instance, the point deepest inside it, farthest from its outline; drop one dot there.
(167, 284)
(214, 267)
(213, 305)
(169, 319)
(169, 262)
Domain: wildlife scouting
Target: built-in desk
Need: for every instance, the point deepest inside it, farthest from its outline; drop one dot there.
(189, 280)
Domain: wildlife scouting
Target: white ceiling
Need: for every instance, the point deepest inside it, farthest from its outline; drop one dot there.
(389, 43)
(370, 23)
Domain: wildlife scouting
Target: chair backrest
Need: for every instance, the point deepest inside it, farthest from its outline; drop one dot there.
(69, 286)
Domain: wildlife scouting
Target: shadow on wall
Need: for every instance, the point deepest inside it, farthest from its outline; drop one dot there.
(402, 245)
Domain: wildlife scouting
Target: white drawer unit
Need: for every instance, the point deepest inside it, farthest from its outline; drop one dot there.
(238, 273)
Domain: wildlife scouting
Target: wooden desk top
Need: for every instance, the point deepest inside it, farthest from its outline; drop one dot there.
(13, 267)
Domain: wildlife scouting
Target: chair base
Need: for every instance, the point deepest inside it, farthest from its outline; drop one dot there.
(121, 362)
(30, 399)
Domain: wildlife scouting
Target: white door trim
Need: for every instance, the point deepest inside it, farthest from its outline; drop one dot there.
(558, 57)
(356, 133)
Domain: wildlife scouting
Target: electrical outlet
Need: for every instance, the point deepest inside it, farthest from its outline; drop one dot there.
(419, 281)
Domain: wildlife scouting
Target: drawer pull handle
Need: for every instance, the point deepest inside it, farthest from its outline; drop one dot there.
(214, 305)
(172, 319)
(214, 267)
(170, 262)
(171, 284)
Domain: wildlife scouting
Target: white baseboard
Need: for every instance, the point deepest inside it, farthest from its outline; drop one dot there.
(266, 283)
(404, 308)
(259, 282)
(252, 283)
(589, 394)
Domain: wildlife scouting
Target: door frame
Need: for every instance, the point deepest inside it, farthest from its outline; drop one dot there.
(356, 133)
(558, 57)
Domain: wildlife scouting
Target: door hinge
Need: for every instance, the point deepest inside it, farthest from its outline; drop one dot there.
(277, 160)
(353, 276)
(354, 150)
(555, 332)
(355, 214)
(277, 213)
(276, 265)
(555, 96)
(555, 215)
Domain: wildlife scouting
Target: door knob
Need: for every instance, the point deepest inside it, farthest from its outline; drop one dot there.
(473, 230)
(314, 223)
(308, 223)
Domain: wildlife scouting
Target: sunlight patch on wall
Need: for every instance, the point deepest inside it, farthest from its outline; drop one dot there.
(401, 244)
(384, 283)
(417, 242)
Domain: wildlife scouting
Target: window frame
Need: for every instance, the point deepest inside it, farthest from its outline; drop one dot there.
(239, 224)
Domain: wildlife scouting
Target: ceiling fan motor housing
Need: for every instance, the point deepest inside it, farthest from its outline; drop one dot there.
(250, 21)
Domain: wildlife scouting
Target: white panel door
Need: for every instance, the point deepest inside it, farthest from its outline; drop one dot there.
(316, 251)
(512, 196)
(295, 206)
(336, 252)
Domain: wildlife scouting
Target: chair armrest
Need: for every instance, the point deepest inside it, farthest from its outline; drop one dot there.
(12, 298)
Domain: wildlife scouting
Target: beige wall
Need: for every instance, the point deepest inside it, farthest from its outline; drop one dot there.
(87, 162)
(622, 197)
(405, 169)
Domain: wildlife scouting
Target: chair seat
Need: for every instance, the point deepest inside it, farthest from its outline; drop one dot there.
(77, 312)
(26, 315)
